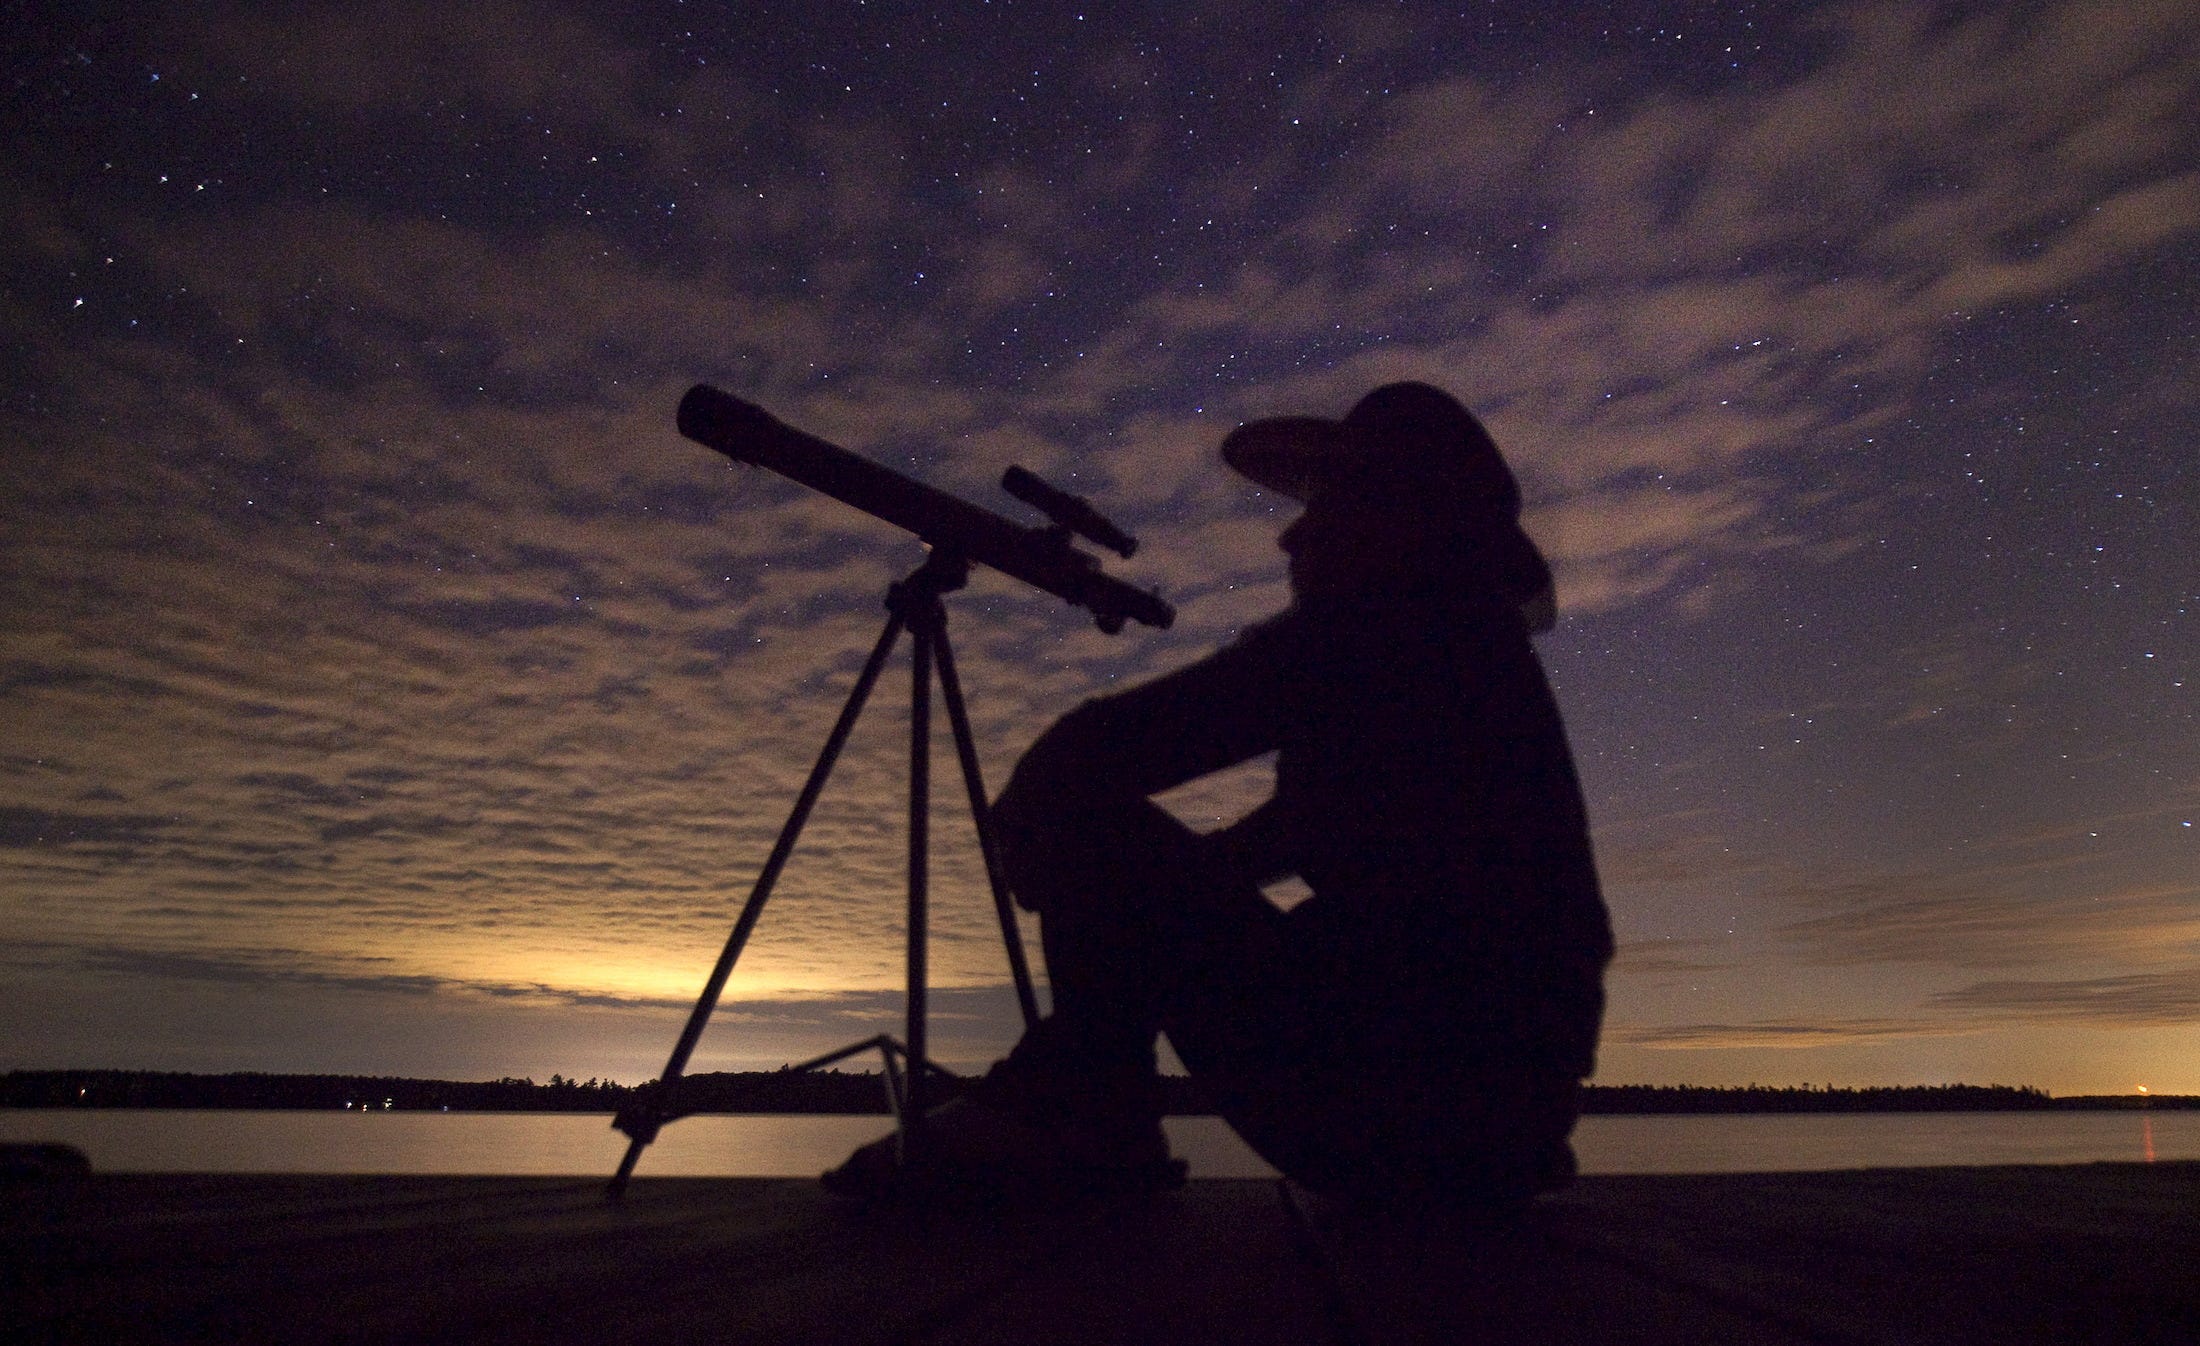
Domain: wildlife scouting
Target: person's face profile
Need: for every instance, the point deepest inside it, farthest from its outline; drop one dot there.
(1355, 537)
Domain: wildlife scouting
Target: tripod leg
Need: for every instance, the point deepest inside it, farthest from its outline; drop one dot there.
(927, 628)
(641, 1119)
(980, 816)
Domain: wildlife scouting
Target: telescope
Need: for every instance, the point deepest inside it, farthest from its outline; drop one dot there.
(1039, 556)
(957, 533)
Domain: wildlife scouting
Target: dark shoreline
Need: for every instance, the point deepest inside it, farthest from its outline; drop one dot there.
(844, 1092)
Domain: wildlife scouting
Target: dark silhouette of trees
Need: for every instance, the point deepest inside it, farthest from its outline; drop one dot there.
(833, 1091)
(1627, 1099)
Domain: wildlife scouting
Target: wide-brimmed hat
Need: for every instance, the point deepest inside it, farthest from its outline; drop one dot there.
(1422, 439)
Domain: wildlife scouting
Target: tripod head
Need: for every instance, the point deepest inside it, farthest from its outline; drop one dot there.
(1042, 557)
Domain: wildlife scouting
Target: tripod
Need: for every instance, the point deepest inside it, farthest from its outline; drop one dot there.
(912, 603)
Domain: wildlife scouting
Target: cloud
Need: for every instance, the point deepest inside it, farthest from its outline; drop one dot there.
(1464, 147)
(1984, 123)
(1626, 544)
(24, 828)
(1794, 1033)
(400, 53)
(1673, 283)
(2124, 226)
(1667, 958)
(2138, 999)
(2000, 916)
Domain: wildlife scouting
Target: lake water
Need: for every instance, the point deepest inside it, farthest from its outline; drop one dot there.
(172, 1141)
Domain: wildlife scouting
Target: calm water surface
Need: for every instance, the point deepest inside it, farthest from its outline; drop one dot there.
(168, 1141)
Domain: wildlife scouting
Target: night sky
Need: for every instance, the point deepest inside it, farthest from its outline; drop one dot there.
(386, 686)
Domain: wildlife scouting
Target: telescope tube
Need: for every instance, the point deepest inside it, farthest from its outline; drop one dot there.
(747, 433)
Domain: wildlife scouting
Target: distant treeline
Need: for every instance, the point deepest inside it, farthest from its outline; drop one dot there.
(1621, 1099)
(830, 1091)
(754, 1091)
(167, 1089)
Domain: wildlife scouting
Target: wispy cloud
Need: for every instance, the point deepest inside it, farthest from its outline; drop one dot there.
(2003, 918)
(2141, 999)
(1785, 1033)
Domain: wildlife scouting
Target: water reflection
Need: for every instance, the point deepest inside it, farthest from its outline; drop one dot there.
(584, 1144)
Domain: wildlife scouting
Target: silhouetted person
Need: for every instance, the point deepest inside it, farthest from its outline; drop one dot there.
(1417, 1029)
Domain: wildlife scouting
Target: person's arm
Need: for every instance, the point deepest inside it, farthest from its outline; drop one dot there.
(1115, 752)
(1184, 725)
